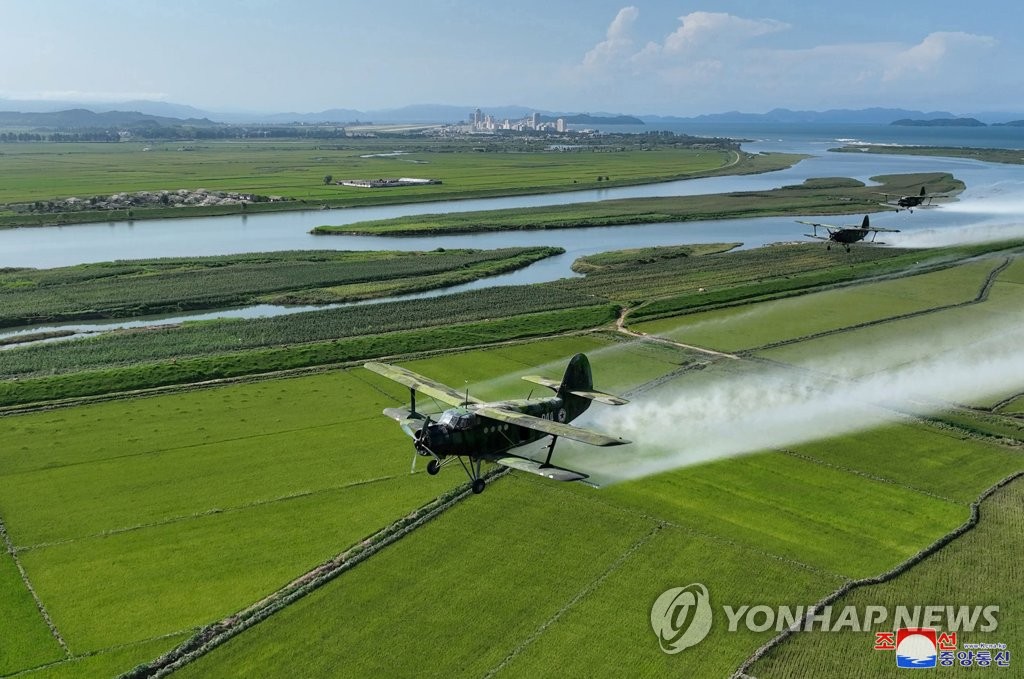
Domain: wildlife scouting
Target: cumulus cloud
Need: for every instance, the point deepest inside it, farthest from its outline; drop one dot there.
(617, 43)
(929, 55)
(716, 59)
(713, 29)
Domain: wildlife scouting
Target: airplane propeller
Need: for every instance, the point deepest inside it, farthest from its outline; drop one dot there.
(419, 443)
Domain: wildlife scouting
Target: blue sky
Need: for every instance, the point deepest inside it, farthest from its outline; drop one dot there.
(640, 57)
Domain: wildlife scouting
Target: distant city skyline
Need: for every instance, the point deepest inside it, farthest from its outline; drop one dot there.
(640, 58)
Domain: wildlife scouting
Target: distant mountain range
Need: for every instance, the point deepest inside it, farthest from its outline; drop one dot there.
(157, 112)
(417, 114)
(81, 118)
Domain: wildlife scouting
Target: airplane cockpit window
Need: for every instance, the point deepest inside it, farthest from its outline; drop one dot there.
(456, 420)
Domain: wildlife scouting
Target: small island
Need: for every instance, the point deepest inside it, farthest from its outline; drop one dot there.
(940, 122)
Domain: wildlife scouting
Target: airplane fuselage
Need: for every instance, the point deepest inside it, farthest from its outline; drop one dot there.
(851, 235)
(460, 431)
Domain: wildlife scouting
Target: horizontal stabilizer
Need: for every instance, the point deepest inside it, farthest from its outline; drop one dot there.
(548, 471)
(543, 381)
(601, 397)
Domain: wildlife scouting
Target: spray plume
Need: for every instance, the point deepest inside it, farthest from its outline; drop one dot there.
(777, 406)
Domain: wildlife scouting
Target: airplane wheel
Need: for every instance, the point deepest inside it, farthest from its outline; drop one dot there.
(478, 486)
(433, 467)
(828, 247)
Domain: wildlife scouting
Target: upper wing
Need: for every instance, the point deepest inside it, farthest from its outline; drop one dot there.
(424, 385)
(817, 224)
(548, 427)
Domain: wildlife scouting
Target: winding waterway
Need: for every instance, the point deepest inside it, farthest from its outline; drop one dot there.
(993, 193)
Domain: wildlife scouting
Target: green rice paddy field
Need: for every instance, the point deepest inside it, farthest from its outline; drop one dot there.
(296, 170)
(137, 521)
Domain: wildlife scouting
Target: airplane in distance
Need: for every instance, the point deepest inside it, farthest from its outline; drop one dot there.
(847, 234)
(909, 202)
(472, 431)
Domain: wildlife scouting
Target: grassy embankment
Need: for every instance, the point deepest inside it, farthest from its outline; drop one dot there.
(1009, 156)
(813, 197)
(296, 171)
(139, 287)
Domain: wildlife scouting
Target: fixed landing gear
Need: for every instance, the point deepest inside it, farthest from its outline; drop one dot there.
(473, 471)
(476, 480)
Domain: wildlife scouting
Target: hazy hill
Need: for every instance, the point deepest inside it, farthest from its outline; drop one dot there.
(940, 122)
(878, 116)
(80, 118)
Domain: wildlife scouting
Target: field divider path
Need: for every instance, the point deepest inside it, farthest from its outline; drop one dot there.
(586, 591)
(742, 672)
(9, 546)
(214, 634)
(620, 325)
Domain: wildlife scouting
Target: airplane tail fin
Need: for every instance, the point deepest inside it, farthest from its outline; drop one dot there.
(577, 388)
(923, 192)
(866, 224)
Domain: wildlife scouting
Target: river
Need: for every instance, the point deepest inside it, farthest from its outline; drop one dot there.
(994, 194)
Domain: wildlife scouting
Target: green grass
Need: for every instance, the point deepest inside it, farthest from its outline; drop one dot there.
(776, 271)
(219, 366)
(27, 641)
(172, 577)
(831, 519)
(979, 568)
(147, 517)
(234, 335)
(585, 553)
(1011, 156)
(816, 196)
(612, 627)
(138, 287)
(110, 663)
(932, 460)
(295, 170)
(747, 327)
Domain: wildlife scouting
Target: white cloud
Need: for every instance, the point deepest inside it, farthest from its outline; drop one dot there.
(711, 60)
(937, 49)
(617, 43)
(713, 29)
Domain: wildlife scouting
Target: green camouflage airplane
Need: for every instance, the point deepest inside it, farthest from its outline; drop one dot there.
(481, 431)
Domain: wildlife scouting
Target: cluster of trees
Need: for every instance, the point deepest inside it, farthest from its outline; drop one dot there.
(91, 135)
